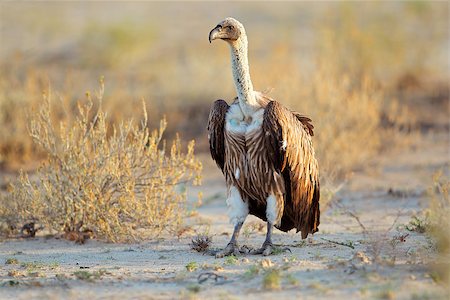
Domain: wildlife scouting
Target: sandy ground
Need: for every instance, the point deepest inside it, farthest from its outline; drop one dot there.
(379, 264)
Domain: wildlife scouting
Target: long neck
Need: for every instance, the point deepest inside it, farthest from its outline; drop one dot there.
(241, 75)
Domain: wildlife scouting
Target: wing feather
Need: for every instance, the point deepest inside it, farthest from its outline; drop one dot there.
(216, 128)
(289, 144)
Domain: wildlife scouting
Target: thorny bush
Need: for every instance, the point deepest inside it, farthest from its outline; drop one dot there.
(122, 182)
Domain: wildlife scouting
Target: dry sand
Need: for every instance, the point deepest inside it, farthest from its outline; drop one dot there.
(316, 268)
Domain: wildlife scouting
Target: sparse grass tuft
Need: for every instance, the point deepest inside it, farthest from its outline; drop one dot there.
(193, 288)
(11, 261)
(89, 276)
(121, 182)
(12, 282)
(14, 273)
(417, 224)
(252, 272)
(271, 274)
(292, 280)
(36, 274)
(272, 279)
(231, 260)
(386, 293)
(191, 266)
(32, 266)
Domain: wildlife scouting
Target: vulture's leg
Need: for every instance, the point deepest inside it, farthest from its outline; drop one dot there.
(274, 207)
(268, 247)
(232, 248)
(238, 212)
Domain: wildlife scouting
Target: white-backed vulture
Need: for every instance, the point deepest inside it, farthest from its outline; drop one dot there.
(265, 152)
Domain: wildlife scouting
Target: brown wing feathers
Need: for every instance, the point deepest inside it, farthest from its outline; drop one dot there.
(288, 140)
(216, 127)
(306, 123)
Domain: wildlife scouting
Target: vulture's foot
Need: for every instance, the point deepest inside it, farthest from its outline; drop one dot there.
(232, 249)
(269, 249)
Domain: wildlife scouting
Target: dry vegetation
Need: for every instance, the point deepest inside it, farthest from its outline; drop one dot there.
(121, 183)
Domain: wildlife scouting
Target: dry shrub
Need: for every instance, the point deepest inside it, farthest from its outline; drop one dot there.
(122, 181)
(439, 226)
(201, 243)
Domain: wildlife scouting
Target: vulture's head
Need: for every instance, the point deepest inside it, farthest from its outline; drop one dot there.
(229, 30)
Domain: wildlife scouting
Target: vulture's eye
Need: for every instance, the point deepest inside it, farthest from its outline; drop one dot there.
(229, 27)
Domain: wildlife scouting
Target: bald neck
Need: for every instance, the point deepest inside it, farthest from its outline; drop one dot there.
(241, 75)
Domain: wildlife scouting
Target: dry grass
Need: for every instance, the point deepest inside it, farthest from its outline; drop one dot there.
(272, 279)
(123, 183)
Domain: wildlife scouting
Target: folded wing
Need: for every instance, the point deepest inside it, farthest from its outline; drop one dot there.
(216, 129)
(290, 149)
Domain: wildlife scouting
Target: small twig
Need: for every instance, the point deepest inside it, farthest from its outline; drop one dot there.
(353, 215)
(339, 243)
(399, 212)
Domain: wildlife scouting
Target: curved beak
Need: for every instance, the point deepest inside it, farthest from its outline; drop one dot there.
(214, 34)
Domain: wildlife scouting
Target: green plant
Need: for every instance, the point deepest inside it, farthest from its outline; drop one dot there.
(32, 266)
(272, 279)
(121, 182)
(417, 224)
(386, 293)
(12, 282)
(89, 276)
(193, 288)
(231, 260)
(291, 279)
(252, 272)
(11, 261)
(191, 266)
(35, 274)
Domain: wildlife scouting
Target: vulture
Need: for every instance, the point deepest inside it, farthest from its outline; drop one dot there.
(265, 152)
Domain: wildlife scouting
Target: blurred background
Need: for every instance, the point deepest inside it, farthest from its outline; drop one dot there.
(371, 75)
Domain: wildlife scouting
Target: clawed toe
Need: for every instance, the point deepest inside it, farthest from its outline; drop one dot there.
(230, 249)
(269, 249)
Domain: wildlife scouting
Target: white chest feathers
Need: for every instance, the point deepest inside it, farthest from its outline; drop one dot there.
(235, 121)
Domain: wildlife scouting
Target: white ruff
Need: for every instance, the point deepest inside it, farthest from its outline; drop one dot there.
(235, 121)
(271, 210)
(257, 119)
(237, 208)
